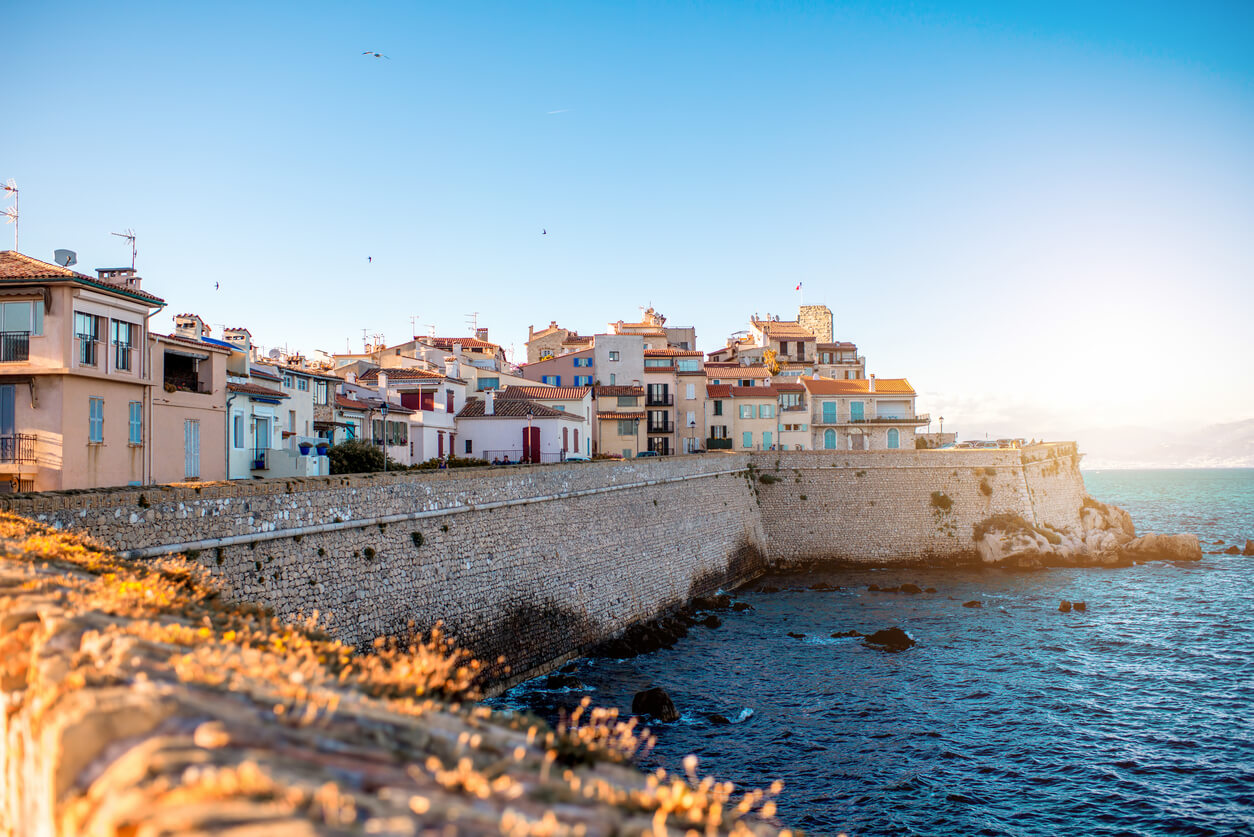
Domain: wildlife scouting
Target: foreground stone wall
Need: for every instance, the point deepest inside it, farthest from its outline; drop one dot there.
(532, 564)
(883, 506)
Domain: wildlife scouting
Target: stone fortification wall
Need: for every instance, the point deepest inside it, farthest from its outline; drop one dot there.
(878, 506)
(531, 563)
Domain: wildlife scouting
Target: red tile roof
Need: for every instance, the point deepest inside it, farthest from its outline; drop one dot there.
(606, 391)
(545, 393)
(784, 329)
(265, 373)
(467, 342)
(346, 403)
(672, 353)
(18, 267)
(788, 386)
(754, 392)
(718, 390)
(400, 374)
(253, 389)
(736, 371)
(862, 386)
(511, 408)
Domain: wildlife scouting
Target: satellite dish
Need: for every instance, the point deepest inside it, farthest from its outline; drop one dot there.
(65, 258)
(274, 354)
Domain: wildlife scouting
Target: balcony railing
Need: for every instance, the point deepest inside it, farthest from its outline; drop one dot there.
(88, 351)
(121, 357)
(515, 457)
(718, 444)
(665, 399)
(14, 346)
(18, 447)
(185, 383)
(261, 460)
(920, 419)
(661, 427)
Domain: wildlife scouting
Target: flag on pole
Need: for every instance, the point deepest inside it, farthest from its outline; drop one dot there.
(798, 286)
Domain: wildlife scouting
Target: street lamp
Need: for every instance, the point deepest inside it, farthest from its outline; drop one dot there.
(692, 425)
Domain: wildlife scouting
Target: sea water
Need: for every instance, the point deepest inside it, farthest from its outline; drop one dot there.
(1134, 717)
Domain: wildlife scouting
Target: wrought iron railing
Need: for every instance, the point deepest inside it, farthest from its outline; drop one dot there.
(660, 427)
(18, 447)
(14, 346)
(665, 399)
(718, 444)
(88, 352)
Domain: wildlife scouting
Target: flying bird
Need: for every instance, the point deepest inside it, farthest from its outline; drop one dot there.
(215, 286)
(376, 54)
(543, 231)
(369, 259)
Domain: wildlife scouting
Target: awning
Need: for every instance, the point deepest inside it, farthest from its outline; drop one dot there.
(186, 353)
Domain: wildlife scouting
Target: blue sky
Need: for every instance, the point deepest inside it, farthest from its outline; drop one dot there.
(1039, 213)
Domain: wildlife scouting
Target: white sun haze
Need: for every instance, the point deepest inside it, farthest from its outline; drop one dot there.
(559, 110)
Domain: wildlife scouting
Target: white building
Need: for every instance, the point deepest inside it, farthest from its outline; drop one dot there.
(513, 429)
(574, 400)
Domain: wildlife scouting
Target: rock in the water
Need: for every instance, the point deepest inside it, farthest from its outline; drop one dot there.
(843, 634)
(910, 588)
(796, 635)
(976, 603)
(719, 602)
(930, 590)
(741, 606)
(890, 639)
(1249, 548)
(562, 681)
(654, 702)
(569, 668)
(715, 718)
(889, 589)
(1233, 550)
(873, 587)
(1064, 606)
(711, 621)
(1216, 543)
(1080, 606)
(1154, 547)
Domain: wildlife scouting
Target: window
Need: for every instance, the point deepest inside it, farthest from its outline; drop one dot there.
(746, 382)
(583, 380)
(894, 438)
(583, 361)
(551, 380)
(718, 408)
(829, 439)
(287, 381)
(320, 392)
(302, 384)
(790, 399)
(746, 440)
(545, 354)
(766, 411)
(448, 401)
(627, 427)
(746, 411)
(470, 446)
(87, 330)
(718, 431)
(135, 435)
(690, 392)
(123, 333)
(829, 412)
(95, 420)
(191, 449)
(22, 317)
(613, 355)
(658, 363)
(629, 401)
(237, 431)
(766, 438)
(692, 419)
(352, 429)
(487, 383)
(688, 364)
(612, 378)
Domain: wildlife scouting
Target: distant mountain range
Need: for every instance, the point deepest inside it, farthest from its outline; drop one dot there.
(1229, 445)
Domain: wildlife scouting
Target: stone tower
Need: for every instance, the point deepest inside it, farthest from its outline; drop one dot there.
(816, 319)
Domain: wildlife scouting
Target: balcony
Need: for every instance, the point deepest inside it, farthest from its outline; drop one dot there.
(14, 346)
(88, 351)
(794, 408)
(718, 444)
(919, 419)
(185, 383)
(662, 399)
(18, 448)
(667, 426)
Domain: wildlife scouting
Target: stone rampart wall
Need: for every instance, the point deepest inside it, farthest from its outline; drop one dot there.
(883, 506)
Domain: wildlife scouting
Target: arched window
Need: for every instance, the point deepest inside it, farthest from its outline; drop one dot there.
(829, 439)
(893, 438)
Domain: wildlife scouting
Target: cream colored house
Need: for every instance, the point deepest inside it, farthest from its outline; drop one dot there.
(75, 377)
(866, 414)
(742, 417)
(620, 417)
(577, 401)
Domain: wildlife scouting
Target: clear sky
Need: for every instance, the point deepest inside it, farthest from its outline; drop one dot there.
(1041, 214)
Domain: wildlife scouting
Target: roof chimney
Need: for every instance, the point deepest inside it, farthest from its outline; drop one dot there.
(240, 338)
(870, 383)
(122, 277)
(383, 382)
(452, 367)
(489, 403)
(190, 326)
(481, 334)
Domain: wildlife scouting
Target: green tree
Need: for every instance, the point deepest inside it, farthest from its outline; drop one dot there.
(355, 457)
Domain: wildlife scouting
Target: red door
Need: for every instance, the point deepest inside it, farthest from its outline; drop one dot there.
(531, 444)
(565, 439)
(440, 441)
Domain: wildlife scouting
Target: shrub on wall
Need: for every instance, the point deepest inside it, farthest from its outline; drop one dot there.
(355, 457)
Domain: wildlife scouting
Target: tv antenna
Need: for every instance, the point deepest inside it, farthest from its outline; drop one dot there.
(10, 212)
(472, 320)
(129, 235)
(413, 325)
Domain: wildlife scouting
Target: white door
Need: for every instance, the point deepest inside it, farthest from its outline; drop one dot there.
(191, 449)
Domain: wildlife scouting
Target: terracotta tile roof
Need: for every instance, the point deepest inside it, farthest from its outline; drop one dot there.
(545, 393)
(467, 342)
(607, 391)
(783, 329)
(883, 386)
(511, 408)
(672, 353)
(346, 403)
(187, 341)
(253, 389)
(754, 392)
(621, 416)
(788, 386)
(736, 371)
(400, 374)
(718, 390)
(300, 370)
(18, 267)
(575, 339)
